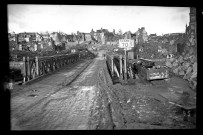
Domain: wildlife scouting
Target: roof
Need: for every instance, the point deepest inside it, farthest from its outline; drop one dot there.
(103, 30)
(108, 34)
(87, 33)
(152, 35)
(30, 33)
(132, 35)
(69, 36)
(98, 31)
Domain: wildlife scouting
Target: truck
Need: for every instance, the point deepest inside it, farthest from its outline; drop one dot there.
(149, 70)
(145, 69)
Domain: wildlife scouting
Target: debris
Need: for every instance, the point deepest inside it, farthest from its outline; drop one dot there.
(193, 84)
(186, 65)
(175, 71)
(180, 59)
(195, 67)
(188, 73)
(133, 107)
(189, 70)
(168, 64)
(175, 64)
(194, 75)
(193, 59)
(34, 90)
(181, 73)
(128, 101)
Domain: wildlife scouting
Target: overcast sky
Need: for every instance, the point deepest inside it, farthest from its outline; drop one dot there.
(73, 18)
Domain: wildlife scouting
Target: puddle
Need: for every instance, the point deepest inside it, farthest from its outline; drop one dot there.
(33, 95)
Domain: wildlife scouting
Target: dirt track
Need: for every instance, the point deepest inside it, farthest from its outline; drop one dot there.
(92, 102)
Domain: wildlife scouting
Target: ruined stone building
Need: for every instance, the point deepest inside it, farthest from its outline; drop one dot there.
(101, 36)
(141, 36)
(152, 36)
(187, 42)
(80, 37)
(94, 35)
(88, 37)
(127, 35)
(191, 30)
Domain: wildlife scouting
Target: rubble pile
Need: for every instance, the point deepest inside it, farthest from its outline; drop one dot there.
(184, 66)
(150, 52)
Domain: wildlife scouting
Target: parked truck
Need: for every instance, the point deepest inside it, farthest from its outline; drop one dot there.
(149, 70)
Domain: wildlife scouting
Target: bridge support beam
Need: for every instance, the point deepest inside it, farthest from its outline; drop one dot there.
(24, 70)
(37, 65)
(28, 68)
(112, 69)
(121, 67)
(125, 67)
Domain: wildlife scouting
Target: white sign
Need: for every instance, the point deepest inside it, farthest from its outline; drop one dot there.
(126, 43)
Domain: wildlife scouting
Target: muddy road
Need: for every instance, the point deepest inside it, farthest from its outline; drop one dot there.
(91, 101)
(70, 107)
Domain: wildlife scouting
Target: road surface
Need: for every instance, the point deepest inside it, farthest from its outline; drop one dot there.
(64, 108)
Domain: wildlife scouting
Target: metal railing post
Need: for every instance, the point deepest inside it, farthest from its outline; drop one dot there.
(24, 69)
(28, 68)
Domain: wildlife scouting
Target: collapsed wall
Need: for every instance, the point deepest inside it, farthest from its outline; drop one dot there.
(185, 66)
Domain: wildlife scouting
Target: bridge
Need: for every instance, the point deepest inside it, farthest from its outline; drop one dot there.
(36, 67)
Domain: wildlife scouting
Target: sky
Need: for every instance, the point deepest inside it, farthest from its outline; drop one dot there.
(73, 18)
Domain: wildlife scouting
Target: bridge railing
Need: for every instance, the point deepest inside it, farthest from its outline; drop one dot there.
(39, 66)
(33, 68)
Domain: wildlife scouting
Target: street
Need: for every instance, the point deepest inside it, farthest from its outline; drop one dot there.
(86, 99)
